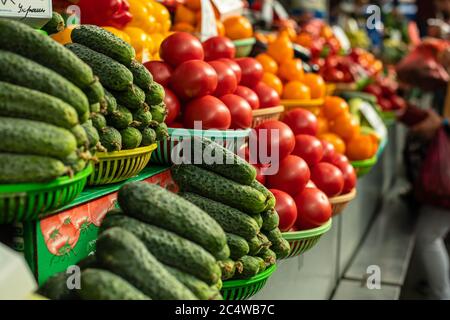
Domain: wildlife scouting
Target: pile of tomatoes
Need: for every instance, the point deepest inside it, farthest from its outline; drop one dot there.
(204, 82)
(285, 74)
(310, 170)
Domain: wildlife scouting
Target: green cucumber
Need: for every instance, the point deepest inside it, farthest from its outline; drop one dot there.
(169, 248)
(75, 162)
(20, 71)
(262, 264)
(270, 198)
(230, 219)
(142, 119)
(111, 73)
(162, 132)
(131, 138)
(238, 246)
(55, 24)
(98, 121)
(226, 163)
(270, 220)
(95, 108)
(111, 102)
(201, 290)
(159, 112)
(279, 245)
(258, 218)
(20, 168)
(224, 253)
(251, 266)
(56, 288)
(228, 268)
(35, 138)
(92, 133)
(121, 118)
(155, 205)
(148, 137)
(141, 76)
(265, 242)
(132, 98)
(268, 256)
(125, 255)
(24, 40)
(211, 185)
(89, 262)
(111, 139)
(21, 102)
(255, 246)
(80, 135)
(155, 94)
(95, 93)
(97, 284)
(105, 42)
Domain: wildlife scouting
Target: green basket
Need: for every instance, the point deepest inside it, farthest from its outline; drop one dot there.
(302, 241)
(31, 201)
(363, 167)
(117, 166)
(244, 289)
(244, 47)
(228, 138)
(389, 118)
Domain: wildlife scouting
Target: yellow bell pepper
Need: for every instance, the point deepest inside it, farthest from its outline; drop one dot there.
(119, 33)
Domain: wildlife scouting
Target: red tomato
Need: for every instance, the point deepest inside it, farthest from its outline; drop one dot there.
(173, 106)
(328, 151)
(249, 95)
(241, 112)
(275, 135)
(268, 97)
(236, 68)
(338, 160)
(308, 148)
(176, 125)
(292, 176)
(193, 79)
(60, 234)
(226, 79)
(160, 71)
(313, 209)
(212, 112)
(301, 121)
(286, 209)
(180, 47)
(252, 71)
(328, 178)
(259, 176)
(218, 47)
(349, 173)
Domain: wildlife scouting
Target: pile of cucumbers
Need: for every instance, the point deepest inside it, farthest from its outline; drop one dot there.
(242, 206)
(134, 111)
(156, 246)
(45, 97)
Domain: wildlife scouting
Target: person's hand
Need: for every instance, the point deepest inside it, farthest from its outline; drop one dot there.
(428, 127)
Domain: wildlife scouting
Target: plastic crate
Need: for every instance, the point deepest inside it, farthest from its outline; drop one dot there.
(244, 47)
(31, 201)
(244, 289)
(113, 167)
(302, 241)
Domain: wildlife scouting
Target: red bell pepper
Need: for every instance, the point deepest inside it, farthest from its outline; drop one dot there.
(105, 12)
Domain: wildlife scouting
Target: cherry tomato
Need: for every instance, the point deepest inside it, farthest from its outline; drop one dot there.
(268, 97)
(241, 112)
(218, 47)
(236, 68)
(277, 136)
(349, 173)
(313, 209)
(160, 71)
(328, 151)
(249, 95)
(212, 112)
(173, 106)
(227, 82)
(328, 178)
(252, 71)
(308, 148)
(193, 79)
(286, 209)
(292, 176)
(180, 47)
(301, 121)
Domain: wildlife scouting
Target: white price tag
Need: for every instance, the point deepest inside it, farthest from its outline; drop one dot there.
(374, 119)
(209, 26)
(227, 6)
(23, 9)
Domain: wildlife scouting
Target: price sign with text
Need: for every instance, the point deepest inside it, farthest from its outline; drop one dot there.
(41, 9)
